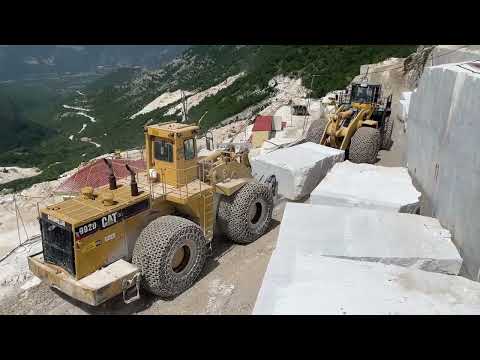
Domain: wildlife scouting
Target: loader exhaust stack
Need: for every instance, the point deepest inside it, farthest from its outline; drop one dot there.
(133, 182)
(111, 176)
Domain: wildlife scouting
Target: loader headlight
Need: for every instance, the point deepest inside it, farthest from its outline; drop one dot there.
(152, 173)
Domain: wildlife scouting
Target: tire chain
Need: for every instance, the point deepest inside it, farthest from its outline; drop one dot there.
(153, 252)
(233, 213)
(365, 145)
(315, 131)
(387, 133)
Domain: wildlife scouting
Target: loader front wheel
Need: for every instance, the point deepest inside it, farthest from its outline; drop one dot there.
(170, 253)
(315, 131)
(364, 145)
(246, 215)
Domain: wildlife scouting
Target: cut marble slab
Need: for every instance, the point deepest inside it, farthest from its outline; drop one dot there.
(298, 169)
(368, 186)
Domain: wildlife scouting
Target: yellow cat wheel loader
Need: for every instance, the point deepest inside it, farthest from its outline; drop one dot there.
(361, 124)
(154, 230)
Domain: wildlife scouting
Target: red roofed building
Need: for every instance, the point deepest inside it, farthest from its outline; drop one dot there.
(263, 123)
(262, 130)
(96, 174)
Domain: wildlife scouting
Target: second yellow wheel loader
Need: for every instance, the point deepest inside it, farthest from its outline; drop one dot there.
(361, 124)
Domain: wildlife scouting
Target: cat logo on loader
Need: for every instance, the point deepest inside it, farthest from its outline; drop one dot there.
(154, 232)
(109, 220)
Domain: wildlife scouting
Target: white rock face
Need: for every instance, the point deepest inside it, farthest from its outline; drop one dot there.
(443, 151)
(304, 284)
(198, 97)
(243, 136)
(371, 235)
(367, 186)
(447, 54)
(298, 169)
(165, 99)
(10, 173)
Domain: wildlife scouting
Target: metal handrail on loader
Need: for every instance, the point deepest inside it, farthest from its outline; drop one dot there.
(185, 184)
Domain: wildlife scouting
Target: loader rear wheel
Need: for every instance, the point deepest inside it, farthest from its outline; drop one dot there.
(315, 131)
(170, 253)
(364, 145)
(246, 215)
(387, 133)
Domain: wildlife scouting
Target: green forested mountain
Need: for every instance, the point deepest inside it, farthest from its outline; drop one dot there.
(22, 61)
(112, 99)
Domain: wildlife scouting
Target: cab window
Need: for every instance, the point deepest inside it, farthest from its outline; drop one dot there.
(163, 150)
(362, 94)
(189, 149)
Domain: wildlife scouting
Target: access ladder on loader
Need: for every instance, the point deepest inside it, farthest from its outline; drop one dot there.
(208, 215)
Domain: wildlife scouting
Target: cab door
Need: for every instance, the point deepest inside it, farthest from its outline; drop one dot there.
(163, 155)
(187, 160)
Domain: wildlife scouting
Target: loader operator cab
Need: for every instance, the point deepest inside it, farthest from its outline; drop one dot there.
(365, 93)
(171, 152)
(362, 97)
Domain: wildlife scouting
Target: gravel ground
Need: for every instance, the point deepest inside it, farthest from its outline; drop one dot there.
(397, 155)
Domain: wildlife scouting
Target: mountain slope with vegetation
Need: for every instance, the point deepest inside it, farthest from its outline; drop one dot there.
(114, 98)
(21, 61)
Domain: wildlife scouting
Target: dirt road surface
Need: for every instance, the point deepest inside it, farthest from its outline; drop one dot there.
(397, 155)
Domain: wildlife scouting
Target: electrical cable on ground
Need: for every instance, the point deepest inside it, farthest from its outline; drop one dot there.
(30, 241)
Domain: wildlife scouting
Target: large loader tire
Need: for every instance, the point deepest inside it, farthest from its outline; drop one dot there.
(364, 145)
(246, 215)
(387, 133)
(223, 213)
(315, 131)
(170, 253)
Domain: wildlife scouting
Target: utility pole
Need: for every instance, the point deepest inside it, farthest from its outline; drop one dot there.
(365, 77)
(16, 216)
(308, 102)
(184, 106)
